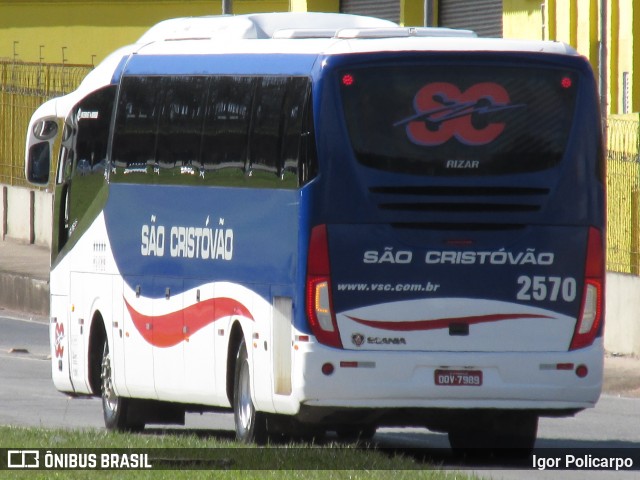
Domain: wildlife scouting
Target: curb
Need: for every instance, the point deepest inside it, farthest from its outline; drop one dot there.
(24, 293)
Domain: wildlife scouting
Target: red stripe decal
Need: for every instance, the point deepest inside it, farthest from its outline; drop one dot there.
(443, 322)
(167, 330)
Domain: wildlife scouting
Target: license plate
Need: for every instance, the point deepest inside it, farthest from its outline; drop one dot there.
(458, 378)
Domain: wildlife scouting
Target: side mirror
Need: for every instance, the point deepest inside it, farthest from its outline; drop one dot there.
(39, 163)
(41, 138)
(45, 129)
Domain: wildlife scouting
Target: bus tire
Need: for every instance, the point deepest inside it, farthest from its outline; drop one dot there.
(251, 425)
(115, 409)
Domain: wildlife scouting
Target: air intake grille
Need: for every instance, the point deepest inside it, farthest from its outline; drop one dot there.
(453, 199)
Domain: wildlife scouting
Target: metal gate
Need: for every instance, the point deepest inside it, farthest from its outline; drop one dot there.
(482, 16)
(23, 88)
(386, 9)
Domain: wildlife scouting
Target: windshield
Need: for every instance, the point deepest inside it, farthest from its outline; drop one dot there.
(458, 120)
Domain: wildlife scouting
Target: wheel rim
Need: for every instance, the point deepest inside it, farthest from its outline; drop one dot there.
(109, 398)
(245, 406)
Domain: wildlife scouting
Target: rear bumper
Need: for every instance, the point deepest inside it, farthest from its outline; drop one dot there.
(405, 380)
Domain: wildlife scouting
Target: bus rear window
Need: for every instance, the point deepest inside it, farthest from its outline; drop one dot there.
(458, 120)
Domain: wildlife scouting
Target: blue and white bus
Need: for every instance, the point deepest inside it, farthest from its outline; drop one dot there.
(325, 222)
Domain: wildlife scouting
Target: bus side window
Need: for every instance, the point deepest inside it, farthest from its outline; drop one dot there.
(63, 182)
(219, 130)
(181, 124)
(296, 130)
(226, 128)
(267, 126)
(277, 129)
(88, 154)
(135, 137)
(307, 160)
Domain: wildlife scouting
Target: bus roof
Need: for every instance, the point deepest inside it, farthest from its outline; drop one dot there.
(358, 44)
(308, 35)
(255, 26)
(304, 34)
(319, 34)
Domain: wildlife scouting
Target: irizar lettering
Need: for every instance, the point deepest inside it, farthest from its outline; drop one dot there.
(462, 164)
(186, 242)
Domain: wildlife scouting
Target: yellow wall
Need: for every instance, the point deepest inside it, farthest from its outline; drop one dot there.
(635, 51)
(522, 19)
(623, 51)
(566, 27)
(85, 31)
(412, 13)
(315, 5)
(577, 22)
(92, 29)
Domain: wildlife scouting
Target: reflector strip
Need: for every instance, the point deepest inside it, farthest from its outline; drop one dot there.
(353, 364)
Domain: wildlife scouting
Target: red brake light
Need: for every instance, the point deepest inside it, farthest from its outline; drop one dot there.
(592, 310)
(347, 80)
(595, 254)
(318, 260)
(319, 302)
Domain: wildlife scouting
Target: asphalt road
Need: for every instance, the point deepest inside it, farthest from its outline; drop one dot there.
(28, 398)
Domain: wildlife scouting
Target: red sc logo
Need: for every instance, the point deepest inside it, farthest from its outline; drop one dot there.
(444, 112)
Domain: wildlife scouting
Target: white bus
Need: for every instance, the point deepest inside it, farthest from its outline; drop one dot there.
(326, 222)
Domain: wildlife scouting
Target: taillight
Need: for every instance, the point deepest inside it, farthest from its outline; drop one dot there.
(319, 302)
(592, 310)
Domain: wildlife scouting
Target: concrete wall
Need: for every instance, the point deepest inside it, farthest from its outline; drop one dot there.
(622, 323)
(25, 294)
(19, 213)
(26, 215)
(43, 214)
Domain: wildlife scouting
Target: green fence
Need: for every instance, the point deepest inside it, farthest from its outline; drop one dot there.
(24, 86)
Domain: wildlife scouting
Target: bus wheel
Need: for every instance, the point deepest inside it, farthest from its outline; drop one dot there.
(115, 409)
(251, 426)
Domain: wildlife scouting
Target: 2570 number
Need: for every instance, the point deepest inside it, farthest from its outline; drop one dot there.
(541, 288)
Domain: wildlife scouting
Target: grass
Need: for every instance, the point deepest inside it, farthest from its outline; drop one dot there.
(189, 456)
